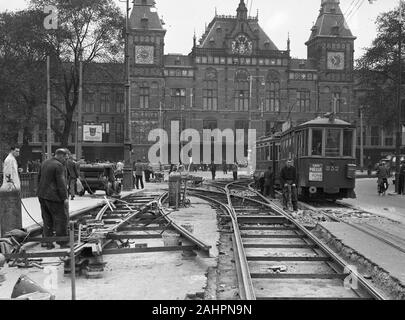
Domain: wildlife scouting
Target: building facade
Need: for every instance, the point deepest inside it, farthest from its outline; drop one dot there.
(235, 75)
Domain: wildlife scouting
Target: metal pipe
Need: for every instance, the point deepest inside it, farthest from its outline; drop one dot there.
(72, 259)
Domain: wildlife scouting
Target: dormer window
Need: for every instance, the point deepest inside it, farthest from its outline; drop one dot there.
(335, 30)
(333, 10)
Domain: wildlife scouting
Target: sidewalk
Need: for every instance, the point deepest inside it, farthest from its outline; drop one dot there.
(391, 206)
(75, 206)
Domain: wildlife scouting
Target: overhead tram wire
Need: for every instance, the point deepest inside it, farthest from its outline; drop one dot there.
(350, 12)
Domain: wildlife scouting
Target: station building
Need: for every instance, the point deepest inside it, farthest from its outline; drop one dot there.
(234, 72)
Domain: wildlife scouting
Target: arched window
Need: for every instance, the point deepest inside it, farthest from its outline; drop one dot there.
(210, 91)
(241, 95)
(273, 92)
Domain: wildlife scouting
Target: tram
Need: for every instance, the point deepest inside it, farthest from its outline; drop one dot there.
(323, 152)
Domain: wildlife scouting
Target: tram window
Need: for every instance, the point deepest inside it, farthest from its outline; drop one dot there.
(267, 153)
(332, 143)
(305, 143)
(316, 142)
(348, 143)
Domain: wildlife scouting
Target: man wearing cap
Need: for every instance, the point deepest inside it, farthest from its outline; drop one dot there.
(53, 197)
(288, 177)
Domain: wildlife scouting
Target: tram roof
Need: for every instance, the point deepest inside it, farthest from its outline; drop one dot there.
(325, 121)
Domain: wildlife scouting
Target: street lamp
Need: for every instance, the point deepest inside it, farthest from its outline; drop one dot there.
(361, 139)
(399, 122)
(250, 118)
(127, 176)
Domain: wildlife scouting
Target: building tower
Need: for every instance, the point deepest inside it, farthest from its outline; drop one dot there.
(331, 52)
(146, 47)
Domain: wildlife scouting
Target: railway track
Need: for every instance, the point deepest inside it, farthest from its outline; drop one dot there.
(276, 257)
(110, 229)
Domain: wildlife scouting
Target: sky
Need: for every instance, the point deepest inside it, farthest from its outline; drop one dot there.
(276, 17)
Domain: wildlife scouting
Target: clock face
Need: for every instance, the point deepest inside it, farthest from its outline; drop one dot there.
(336, 60)
(144, 54)
(242, 45)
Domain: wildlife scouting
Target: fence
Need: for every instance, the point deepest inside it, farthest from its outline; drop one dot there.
(29, 184)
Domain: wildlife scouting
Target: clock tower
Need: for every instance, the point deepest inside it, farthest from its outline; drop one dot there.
(331, 52)
(331, 44)
(146, 50)
(146, 40)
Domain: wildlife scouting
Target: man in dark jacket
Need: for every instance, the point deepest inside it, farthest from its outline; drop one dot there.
(288, 177)
(269, 182)
(53, 197)
(72, 174)
(213, 170)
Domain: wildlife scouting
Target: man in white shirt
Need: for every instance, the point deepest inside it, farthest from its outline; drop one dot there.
(11, 180)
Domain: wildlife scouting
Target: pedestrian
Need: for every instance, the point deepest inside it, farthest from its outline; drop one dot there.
(148, 172)
(401, 185)
(225, 167)
(382, 178)
(369, 167)
(11, 179)
(138, 168)
(53, 197)
(235, 171)
(72, 174)
(269, 182)
(288, 177)
(213, 170)
(30, 166)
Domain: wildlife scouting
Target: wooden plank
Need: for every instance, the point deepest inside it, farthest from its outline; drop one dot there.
(262, 219)
(298, 275)
(266, 228)
(275, 245)
(38, 254)
(117, 236)
(286, 258)
(272, 236)
(150, 249)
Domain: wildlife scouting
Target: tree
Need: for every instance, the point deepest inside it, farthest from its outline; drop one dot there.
(22, 51)
(88, 30)
(378, 74)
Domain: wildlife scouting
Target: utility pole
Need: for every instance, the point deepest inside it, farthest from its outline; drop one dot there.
(399, 93)
(249, 164)
(48, 109)
(127, 179)
(361, 140)
(79, 125)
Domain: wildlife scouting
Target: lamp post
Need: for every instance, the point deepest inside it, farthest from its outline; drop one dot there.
(399, 93)
(361, 140)
(127, 176)
(249, 164)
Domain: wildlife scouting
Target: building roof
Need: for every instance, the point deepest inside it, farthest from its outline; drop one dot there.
(222, 28)
(331, 22)
(145, 16)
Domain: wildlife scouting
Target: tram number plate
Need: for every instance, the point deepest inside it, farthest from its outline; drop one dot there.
(316, 172)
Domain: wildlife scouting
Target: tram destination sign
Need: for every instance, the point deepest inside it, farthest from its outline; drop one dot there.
(316, 172)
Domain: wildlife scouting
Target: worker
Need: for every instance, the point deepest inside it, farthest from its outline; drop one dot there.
(269, 182)
(53, 197)
(288, 177)
(138, 168)
(235, 171)
(11, 179)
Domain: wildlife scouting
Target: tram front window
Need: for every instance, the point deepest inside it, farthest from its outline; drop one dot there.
(332, 143)
(348, 143)
(316, 142)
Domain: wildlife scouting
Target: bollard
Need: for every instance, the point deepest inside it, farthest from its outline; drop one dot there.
(10, 211)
